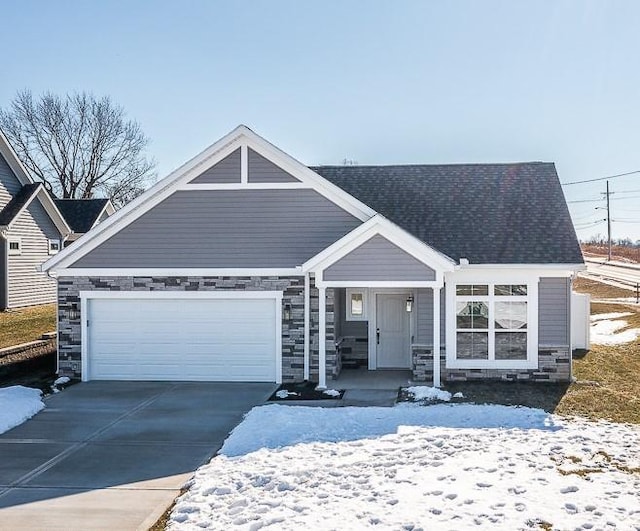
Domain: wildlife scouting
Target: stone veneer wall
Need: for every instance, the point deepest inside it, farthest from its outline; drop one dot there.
(554, 365)
(69, 349)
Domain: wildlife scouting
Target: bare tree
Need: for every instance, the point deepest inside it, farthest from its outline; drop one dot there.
(79, 146)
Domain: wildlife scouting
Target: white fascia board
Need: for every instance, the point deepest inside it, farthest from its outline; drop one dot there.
(178, 272)
(240, 136)
(516, 271)
(379, 284)
(108, 208)
(379, 225)
(13, 161)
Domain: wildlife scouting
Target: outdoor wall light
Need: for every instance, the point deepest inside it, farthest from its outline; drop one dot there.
(410, 303)
(73, 314)
(286, 312)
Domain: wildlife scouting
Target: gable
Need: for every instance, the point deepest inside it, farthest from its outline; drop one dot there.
(308, 207)
(378, 259)
(225, 171)
(262, 170)
(242, 228)
(9, 183)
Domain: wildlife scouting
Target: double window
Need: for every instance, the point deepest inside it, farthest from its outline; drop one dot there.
(492, 325)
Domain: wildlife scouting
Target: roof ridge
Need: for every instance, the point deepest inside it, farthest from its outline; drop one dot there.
(449, 164)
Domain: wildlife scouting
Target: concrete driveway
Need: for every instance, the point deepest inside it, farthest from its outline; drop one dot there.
(114, 455)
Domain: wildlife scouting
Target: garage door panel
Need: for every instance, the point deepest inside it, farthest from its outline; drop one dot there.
(182, 339)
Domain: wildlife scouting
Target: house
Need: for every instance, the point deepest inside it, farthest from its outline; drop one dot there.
(31, 230)
(83, 214)
(246, 265)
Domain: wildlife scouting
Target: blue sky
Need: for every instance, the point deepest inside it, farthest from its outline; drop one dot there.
(376, 82)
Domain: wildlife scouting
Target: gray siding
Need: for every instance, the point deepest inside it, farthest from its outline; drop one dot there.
(262, 170)
(226, 171)
(553, 311)
(424, 316)
(230, 228)
(9, 183)
(27, 286)
(378, 259)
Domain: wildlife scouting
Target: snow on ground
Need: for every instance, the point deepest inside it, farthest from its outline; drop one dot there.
(17, 404)
(604, 330)
(447, 466)
(428, 394)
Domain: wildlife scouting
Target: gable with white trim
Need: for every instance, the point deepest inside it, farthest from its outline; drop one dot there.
(242, 204)
(378, 259)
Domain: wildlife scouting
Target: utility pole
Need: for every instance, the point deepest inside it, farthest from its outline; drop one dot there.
(608, 224)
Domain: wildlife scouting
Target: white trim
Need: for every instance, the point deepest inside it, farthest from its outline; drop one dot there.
(322, 338)
(57, 242)
(109, 209)
(244, 186)
(348, 315)
(380, 284)
(169, 272)
(86, 296)
(436, 338)
(244, 164)
(379, 225)
(307, 324)
(14, 252)
(568, 269)
(9, 154)
(532, 321)
(241, 135)
(217, 294)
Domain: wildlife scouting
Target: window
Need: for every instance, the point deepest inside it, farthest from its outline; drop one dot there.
(492, 326)
(356, 305)
(15, 246)
(54, 246)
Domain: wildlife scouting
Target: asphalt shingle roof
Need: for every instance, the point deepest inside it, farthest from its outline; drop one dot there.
(487, 213)
(80, 214)
(11, 209)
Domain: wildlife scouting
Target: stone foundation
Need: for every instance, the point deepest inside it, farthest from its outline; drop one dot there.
(554, 365)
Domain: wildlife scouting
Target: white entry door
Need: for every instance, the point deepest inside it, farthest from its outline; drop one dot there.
(392, 332)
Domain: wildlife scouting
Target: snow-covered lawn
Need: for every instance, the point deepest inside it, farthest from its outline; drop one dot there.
(447, 466)
(605, 326)
(17, 404)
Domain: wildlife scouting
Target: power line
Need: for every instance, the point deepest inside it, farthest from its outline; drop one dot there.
(601, 178)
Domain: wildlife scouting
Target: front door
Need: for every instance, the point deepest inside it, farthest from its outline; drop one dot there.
(392, 332)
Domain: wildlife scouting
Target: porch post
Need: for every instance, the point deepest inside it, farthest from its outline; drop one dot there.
(307, 339)
(436, 337)
(322, 338)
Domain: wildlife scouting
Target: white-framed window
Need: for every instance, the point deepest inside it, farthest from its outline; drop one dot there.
(356, 302)
(54, 246)
(15, 246)
(495, 325)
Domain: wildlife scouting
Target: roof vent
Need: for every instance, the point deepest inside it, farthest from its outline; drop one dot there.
(464, 261)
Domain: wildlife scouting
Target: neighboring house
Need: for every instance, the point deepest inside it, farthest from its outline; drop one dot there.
(83, 214)
(31, 230)
(246, 265)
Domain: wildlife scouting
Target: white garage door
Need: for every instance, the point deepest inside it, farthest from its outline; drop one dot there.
(182, 339)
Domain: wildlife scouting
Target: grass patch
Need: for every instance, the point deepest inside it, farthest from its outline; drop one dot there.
(27, 324)
(616, 368)
(599, 290)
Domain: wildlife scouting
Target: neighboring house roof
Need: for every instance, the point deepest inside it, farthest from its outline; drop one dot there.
(17, 204)
(82, 214)
(7, 152)
(487, 213)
